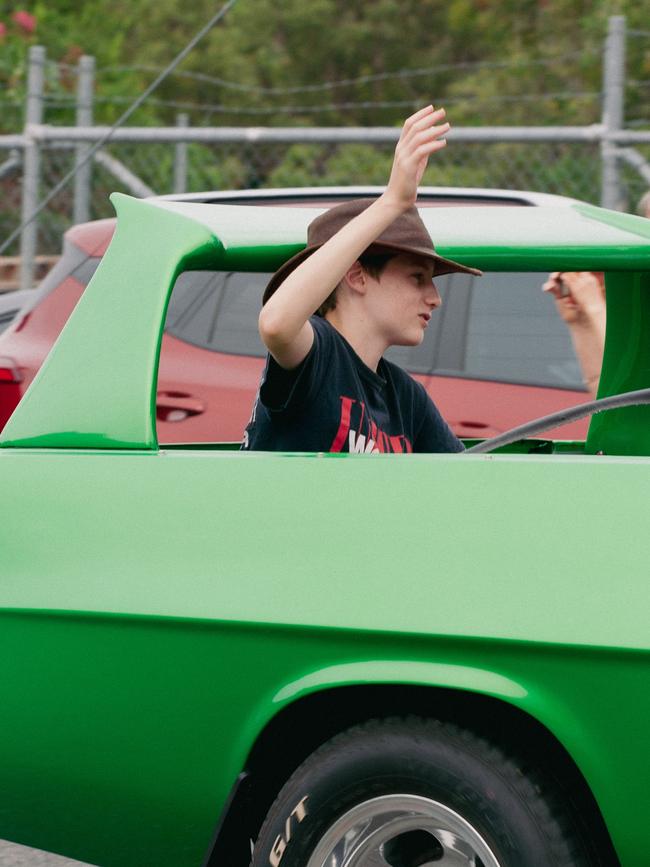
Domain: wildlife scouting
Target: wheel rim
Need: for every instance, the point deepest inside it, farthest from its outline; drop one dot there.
(402, 831)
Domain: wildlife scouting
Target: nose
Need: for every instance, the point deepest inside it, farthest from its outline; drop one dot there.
(433, 296)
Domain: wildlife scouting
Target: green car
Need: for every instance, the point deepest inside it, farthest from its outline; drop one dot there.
(226, 658)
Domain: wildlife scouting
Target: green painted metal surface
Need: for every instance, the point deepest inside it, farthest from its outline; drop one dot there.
(96, 388)
(626, 367)
(158, 608)
(125, 524)
(171, 628)
(132, 750)
(575, 238)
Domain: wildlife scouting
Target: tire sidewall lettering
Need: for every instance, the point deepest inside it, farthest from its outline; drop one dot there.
(282, 840)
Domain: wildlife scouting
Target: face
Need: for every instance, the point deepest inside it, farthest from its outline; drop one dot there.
(403, 298)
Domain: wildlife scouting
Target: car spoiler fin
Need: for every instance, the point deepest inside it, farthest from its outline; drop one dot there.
(96, 389)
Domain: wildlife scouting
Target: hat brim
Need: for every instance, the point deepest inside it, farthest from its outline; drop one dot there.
(441, 265)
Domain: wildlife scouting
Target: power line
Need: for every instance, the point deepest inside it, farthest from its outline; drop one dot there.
(340, 106)
(380, 104)
(138, 102)
(346, 82)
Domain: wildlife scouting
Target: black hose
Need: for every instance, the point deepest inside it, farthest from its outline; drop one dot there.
(564, 416)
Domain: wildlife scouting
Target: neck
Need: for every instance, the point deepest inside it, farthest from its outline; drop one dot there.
(368, 346)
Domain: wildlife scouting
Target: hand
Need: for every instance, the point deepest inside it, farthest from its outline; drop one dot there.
(419, 139)
(580, 301)
(579, 296)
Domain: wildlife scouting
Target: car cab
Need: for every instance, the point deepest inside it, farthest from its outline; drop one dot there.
(495, 354)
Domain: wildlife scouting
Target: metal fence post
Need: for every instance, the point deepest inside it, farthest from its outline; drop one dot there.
(31, 165)
(180, 157)
(612, 115)
(83, 172)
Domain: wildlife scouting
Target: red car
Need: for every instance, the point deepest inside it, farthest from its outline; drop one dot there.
(493, 357)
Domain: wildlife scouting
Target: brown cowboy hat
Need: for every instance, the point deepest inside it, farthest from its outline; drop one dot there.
(406, 234)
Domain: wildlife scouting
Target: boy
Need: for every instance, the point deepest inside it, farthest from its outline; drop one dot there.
(362, 284)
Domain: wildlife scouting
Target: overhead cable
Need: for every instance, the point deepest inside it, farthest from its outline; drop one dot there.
(346, 82)
(339, 106)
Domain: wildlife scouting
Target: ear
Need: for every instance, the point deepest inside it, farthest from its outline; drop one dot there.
(356, 278)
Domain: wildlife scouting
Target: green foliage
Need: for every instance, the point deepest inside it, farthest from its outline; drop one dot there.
(228, 172)
(527, 49)
(299, 167)
(332, 62)
(356, 160)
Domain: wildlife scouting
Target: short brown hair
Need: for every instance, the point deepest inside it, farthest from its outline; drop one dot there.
(372, 263)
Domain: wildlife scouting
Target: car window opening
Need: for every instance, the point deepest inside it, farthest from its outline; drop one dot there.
(497, 331)
(498, 327)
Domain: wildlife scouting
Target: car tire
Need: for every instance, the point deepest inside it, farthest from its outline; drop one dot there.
(411, 792)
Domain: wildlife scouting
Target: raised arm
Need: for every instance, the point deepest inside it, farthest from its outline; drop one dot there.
(284, 321)
(580, 301)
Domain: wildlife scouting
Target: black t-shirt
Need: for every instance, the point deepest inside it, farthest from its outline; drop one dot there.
(333, 402)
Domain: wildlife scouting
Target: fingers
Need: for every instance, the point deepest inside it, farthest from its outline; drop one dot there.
(422, 119)
(425, 136)
(553, 278)
(414, 118)
(586, 291)
(576, 290)
(423, 139)
(553, 284)
(576, 282)
(431, 147)
(421, 136)
(428, 120)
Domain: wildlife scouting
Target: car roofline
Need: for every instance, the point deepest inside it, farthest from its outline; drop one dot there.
(471, 195)
(525, 197)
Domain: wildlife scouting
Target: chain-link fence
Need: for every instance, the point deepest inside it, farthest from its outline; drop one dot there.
(601, 161)
(564, 168)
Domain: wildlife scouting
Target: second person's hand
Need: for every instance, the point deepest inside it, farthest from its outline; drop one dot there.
(579, 296)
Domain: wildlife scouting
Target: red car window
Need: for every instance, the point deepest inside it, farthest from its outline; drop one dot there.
(497, 327)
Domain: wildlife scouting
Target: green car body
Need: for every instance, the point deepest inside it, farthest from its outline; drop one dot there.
(175, 620)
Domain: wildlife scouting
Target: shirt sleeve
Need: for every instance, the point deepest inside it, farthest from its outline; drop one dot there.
(434, 434)
(282, 391)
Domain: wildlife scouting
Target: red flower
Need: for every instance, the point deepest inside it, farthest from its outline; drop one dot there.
(3, 29)
(25, 21)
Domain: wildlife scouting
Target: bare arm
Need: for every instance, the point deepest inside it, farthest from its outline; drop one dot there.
(580, 301)
(284, 321)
